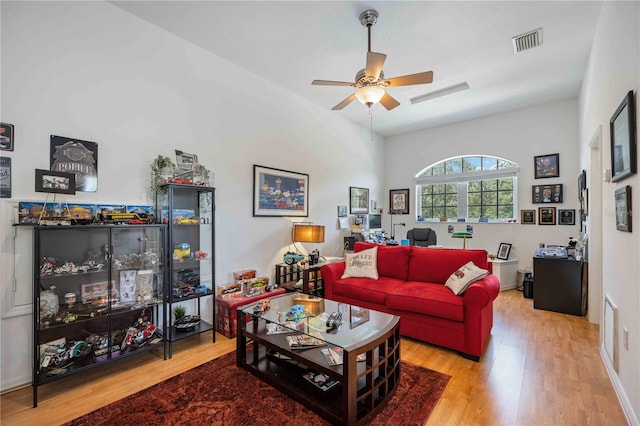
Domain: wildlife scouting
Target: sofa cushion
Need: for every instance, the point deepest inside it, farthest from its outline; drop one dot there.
(366, 289)
(362, 264)
(463, 277)
(393, 261)
(435, 265)
(426, 298)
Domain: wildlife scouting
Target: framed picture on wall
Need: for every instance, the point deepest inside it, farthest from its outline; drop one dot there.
(399, 201)
(546, 193)
(623, 208)
(77, 155)
(622, 127)
(280, 192)
(546, 166)
(528, 217)
(566, 217)
(6, 137)
(358, 200)
(547, 215)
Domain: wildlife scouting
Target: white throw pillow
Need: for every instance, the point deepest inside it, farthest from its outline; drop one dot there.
(363, 264)
(463, 277)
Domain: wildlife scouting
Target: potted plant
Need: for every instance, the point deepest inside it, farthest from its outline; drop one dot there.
(179, 312)
(161, 168)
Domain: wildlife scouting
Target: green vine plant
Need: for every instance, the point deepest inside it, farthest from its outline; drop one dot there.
(158, 167)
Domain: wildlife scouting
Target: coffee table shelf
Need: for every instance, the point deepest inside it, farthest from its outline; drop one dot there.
(363, 387)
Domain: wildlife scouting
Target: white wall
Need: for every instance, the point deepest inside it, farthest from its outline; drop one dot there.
(517, 136)
(614, 69)
(91, 71)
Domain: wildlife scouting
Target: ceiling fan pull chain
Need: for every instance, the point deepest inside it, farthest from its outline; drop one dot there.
(370, 125)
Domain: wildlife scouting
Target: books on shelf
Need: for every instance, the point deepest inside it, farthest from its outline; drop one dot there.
(303, 341)
(334, 356)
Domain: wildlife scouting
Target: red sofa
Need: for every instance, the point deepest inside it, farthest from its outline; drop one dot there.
(411, 285)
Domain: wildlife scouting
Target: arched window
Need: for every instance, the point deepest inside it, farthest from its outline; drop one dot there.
(476, 188)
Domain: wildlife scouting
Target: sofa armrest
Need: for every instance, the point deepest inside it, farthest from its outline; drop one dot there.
(330, 273)
(482, 292)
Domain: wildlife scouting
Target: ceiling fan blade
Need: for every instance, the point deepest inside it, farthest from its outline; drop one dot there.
(344, 103)
(408, 80)
(375, 61)
(331, 83)
(389, 102)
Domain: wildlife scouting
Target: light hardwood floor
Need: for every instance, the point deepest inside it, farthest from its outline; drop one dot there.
(540, 368)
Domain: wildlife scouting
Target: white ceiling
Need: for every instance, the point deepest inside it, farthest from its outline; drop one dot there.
(292, 43)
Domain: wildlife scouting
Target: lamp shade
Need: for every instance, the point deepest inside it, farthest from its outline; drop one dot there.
(308, 233)
(369, 95)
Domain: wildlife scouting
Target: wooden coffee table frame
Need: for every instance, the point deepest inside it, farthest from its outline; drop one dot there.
(364, 387)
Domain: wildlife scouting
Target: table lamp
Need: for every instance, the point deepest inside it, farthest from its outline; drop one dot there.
(464, 236)
(307, 233)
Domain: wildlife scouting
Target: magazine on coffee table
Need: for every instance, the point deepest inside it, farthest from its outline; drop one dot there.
(302, 341)
(320, 381)
(334, 356)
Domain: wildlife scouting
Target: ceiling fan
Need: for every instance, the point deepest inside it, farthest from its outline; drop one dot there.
(370, 83)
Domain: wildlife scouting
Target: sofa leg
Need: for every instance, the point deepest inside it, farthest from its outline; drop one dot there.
(471, 357)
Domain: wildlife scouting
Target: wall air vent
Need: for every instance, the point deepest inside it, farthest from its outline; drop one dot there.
(527, 40)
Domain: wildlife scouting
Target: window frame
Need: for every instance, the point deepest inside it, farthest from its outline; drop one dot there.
(462, 180)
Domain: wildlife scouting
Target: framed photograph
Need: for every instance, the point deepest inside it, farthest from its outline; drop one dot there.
(582, 184)
(358, 200)
(547, 215)
(399, 201)
(55, 182)
(503, 251)
(6, 137)
(546, 193)
(5, 177)
(528, 217)
(128, 286)
(623, 139)
(374, 206)
(78, 156)
(342, 211)
(566, 217)
(546, 166)
(279, 192)
(358, 316)
(623, 208)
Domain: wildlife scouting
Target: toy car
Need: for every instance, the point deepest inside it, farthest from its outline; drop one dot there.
(296, 312)
(290, 258)
(334, 320)
(261, 306)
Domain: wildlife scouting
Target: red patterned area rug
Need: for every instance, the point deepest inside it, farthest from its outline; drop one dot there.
(219, 393)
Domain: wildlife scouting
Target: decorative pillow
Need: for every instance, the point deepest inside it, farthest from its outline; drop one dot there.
(363, 264)
(463, 277)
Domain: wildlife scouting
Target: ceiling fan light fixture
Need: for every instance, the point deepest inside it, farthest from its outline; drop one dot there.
(369, 95)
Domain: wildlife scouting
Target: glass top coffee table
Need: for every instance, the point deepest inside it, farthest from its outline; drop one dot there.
(345, 373)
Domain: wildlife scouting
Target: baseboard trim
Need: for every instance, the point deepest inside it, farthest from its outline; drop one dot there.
(631, 417)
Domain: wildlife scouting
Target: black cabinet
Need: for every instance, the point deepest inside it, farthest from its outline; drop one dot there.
(558, 286)
(97, 297)
(188, 211)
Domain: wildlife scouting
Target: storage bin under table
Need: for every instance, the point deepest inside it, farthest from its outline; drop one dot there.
(226, 309)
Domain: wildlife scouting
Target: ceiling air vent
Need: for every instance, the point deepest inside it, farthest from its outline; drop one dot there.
(527, 40)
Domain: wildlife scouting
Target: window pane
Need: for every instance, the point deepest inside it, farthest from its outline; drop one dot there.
(452, 200)
(474, 212)
(489, 163)
(505, 212)
(505, 184)
(454, 166)
(471, 164)
(505, 197)
(438, 200)
(474, 199)
(474, 186)
(490, 212)
(489, 198)
(452, 212)
(438, 189)
(489, 185)
(438, 212)
(438, 169)
(452, 188)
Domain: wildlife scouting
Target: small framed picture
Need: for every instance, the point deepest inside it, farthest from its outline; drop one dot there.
(399, 201)
(528, 217)
(6, 137)
(503, 251)
(547, 166)
(547, 215)
(622, 128)
(358, 316)
(358, 200)
(185, 160)
(55, 182)
(342, 211)
(623, 208)
(566, 217)
(546, 193)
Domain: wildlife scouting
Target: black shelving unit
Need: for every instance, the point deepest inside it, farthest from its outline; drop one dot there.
(97, 297)
(188, 211)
